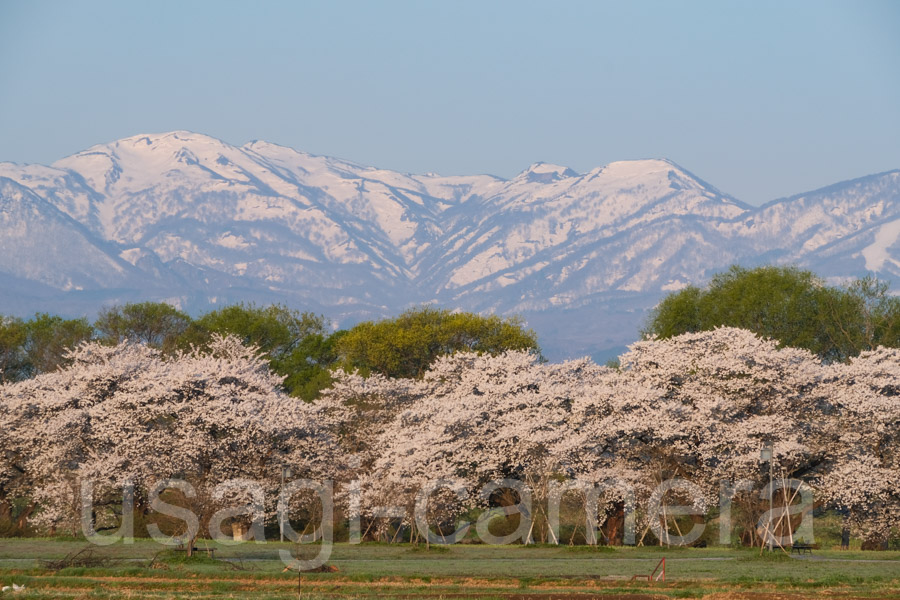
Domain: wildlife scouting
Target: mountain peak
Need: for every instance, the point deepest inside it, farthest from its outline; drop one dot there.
(142, 159)
(541, 172)
(141, 143)
(642, 166)
(178, 137)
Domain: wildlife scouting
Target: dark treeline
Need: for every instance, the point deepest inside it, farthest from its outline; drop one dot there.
(301, 346)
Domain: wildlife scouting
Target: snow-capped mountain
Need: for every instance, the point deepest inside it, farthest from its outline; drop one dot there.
(189, 219)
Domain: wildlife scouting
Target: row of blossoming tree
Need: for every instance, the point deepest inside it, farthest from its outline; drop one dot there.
(213, 429)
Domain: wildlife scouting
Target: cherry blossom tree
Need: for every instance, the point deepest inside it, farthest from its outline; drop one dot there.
(865, 446)
(727, 393)
(478, 419)
(357, 411)
(126, 415)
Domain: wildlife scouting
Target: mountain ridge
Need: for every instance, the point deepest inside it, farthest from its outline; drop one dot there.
(186, 218)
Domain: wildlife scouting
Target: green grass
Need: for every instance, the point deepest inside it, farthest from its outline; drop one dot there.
(474, 571)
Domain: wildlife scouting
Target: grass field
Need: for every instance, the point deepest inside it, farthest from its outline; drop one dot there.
(399, 571)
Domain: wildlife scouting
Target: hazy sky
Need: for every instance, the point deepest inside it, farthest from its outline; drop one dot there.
(761, 99)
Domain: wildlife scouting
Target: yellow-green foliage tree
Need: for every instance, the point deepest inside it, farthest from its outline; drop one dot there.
(407, 345)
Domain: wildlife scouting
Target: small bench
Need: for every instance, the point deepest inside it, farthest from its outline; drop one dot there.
(802, 548)
(210, 552)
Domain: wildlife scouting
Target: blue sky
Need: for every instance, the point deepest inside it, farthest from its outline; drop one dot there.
(761, 99)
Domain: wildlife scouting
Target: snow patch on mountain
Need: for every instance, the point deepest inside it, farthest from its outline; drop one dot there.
(879, 252)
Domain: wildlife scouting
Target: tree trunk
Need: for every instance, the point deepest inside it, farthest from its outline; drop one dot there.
(22, 519)
(613, 527)
(239, 531)
(5, 511)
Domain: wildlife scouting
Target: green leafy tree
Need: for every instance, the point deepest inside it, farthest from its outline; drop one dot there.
(879, 316)
(13, 362)
(50, 338)
(307, 368)
(790, 305)
(407, 345)
(296, 344)
(156, 324)
(39, 345)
